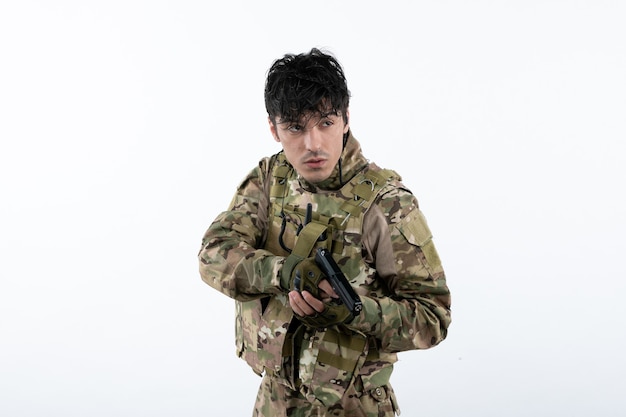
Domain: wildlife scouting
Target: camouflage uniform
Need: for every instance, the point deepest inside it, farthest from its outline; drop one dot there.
(372, 225)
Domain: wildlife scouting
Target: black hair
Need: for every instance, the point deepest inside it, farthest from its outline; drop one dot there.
(312, 82)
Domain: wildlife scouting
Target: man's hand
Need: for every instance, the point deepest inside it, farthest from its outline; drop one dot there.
(315, 312)
(306, 304)
(306, 276)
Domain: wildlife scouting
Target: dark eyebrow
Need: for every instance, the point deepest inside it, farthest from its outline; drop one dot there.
(283, 122)
(303, 120)
(330, 113)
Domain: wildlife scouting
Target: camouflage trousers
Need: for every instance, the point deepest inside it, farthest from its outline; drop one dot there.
(277, 400)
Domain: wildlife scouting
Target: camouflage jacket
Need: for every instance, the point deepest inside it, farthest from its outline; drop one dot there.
(381, 241)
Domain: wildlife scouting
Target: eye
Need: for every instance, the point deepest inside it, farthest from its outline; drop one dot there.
(294, 128)
(327, 122)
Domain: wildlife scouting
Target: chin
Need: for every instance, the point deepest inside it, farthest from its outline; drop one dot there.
(314, 179)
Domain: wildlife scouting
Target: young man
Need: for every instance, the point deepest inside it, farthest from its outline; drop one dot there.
(319, 355)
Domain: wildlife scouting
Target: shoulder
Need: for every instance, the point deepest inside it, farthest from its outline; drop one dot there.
(394, 201)
(260, 174)
(395, 208)
(401, 211)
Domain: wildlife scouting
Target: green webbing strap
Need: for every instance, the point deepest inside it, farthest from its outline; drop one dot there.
(349, 345)
(307, 238)
(304, 245)
(365, 190)
(292, 341)
(280, 174)
(382, 176)
(353, 207)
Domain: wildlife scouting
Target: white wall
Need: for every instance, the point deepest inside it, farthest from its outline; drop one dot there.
(126, 125)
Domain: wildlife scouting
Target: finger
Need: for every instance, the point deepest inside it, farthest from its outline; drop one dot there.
(327, 289)
(296, 301)
(299, 305)
(314, 303)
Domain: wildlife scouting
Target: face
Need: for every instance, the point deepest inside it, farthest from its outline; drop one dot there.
(313, 145)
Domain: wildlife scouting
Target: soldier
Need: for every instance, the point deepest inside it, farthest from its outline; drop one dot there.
(317, 356)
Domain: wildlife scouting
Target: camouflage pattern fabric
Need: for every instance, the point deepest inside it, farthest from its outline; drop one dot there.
(393, 266)
(276, 400)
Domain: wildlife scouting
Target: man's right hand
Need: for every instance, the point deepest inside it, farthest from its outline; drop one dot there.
(305, 276)
(319, 312)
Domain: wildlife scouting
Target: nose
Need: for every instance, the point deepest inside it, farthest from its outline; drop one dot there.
(313, 140)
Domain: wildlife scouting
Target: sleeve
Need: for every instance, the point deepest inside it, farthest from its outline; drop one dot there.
(416, 312)
(230, 258)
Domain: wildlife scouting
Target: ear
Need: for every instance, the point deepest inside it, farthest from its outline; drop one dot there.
(347, 125)
(273, 129)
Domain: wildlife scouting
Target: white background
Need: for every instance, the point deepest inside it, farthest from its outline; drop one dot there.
(125, 127)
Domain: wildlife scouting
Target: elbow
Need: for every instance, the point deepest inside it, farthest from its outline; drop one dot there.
(439, 330)
(217, 280)
(432, 329)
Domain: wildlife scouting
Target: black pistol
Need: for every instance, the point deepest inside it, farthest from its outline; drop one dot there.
(338, 280)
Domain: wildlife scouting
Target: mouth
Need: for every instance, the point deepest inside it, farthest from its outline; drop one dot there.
(315, 163)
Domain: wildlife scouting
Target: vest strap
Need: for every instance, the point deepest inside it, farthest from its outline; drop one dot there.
(350, 348)
(365, 191)
(280, 173)
(304, 245)
(307, 238)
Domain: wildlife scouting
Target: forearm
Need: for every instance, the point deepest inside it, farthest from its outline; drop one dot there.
(230, 263)
(405, 324)
(230, 258)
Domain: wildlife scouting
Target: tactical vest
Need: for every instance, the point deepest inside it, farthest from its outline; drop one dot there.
(263, 330)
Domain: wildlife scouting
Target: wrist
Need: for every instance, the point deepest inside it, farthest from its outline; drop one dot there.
(289, 264)
(370, 317)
